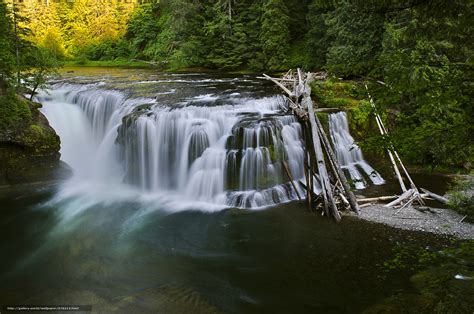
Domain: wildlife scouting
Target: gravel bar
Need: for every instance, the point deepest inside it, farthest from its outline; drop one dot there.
(434, 220)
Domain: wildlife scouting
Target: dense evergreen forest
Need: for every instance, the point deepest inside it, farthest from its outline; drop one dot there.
(421, 50)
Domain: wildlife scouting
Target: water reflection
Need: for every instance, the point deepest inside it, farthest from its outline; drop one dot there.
(122, 256)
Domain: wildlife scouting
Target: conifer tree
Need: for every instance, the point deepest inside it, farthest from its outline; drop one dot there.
(275, 34)
(356, 35)
(7, 56)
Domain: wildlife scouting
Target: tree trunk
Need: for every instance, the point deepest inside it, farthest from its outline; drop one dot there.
(402, 197)
(339, 173)
(320, 163)
(437, 197)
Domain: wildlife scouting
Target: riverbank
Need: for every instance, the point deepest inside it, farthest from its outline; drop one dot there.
(121, 64)
(441, 221)
(29, 146)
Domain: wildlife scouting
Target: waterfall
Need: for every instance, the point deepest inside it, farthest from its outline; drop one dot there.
(349, 154)
(99, 107)
(228, 154)
(224, 150)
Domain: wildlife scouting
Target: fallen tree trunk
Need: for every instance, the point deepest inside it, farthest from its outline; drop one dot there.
(335, 189)
(292, 181)
(337, 168)
(389, 152)
(435, 196)
(306, 102)
(286, 90)
(380, 198)
(404, 196)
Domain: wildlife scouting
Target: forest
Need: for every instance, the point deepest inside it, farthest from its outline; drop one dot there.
(420, 51)
(143, 151)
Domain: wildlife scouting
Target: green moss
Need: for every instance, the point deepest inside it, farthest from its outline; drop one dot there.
(29, 147)
(361, 120)
(13, 111)
(276, 154)
(349, 96)
(36, 129)
(40, 140)
(324, 119)
(337, 94)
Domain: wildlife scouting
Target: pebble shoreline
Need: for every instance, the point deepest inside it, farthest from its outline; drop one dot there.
(435, 220)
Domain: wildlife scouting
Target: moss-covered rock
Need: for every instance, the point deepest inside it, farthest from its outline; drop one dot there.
(349, 96)
(333, 93)
(14, 111)
(29, 147)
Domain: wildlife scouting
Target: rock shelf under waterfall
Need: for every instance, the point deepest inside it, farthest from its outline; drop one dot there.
(223, 148)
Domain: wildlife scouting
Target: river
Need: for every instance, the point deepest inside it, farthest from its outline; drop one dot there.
(179, 204)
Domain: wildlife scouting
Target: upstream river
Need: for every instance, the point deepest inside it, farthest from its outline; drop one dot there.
(178, 203)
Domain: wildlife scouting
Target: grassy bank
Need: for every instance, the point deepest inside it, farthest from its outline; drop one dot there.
(107, 63)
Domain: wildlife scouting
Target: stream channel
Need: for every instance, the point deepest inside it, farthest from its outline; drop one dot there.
(178, 203)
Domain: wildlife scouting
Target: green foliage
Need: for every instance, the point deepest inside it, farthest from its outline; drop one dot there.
(53, 42)
(39, 140)
(426, 64)
(418, 258)
(119, 62)
(222, 34)
(43, 64)
(7, 56)
(356, 39)
(143, 29)
(317, 38)
(461, 196)
(422, 50)
(32, 68)
(106, 50)
(13, 111)
(275, 34)
(333, 93)
(361, 120)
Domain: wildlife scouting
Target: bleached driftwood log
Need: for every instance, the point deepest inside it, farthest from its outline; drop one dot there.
(435, 196)
(405, 196)
(337, 168)
(378, 199)
(306, 103)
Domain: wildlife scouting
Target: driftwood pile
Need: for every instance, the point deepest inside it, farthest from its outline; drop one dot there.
(321, 164)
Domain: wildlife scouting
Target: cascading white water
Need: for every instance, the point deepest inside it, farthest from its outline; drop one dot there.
(99, 107)
(87, 131)
(182, 150)
(348, 153)
(73, 127)
(230, 154)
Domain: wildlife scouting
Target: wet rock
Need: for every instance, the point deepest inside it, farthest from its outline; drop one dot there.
(29, 147)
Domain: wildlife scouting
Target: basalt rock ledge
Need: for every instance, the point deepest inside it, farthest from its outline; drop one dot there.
(29, 146)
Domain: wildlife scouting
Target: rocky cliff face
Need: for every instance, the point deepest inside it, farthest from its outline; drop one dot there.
(29, 147)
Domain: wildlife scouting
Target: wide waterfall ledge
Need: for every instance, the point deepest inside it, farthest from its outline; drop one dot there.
(208, 151)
